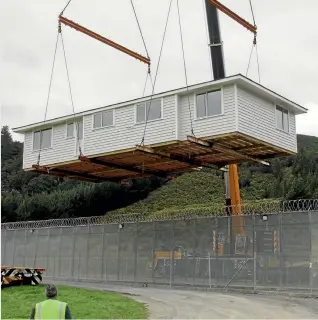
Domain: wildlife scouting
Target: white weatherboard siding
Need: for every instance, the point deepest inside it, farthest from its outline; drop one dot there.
(209, 126)
(246, 108)
(125, 133)
(62, 149)
(257, 118)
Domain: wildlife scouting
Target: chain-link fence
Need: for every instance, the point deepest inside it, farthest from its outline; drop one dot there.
(271, 250)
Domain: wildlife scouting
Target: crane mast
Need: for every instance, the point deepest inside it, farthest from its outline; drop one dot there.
(232, 188)
(232, 194)
(217, 59)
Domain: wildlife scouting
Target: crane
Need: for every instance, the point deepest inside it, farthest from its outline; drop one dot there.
(232, 188)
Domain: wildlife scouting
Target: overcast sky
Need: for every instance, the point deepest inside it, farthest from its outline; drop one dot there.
(100, 75)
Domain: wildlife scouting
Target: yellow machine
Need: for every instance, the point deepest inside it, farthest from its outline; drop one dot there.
(163, 257)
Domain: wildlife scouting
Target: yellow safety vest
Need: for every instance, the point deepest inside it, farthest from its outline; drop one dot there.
(50, 309)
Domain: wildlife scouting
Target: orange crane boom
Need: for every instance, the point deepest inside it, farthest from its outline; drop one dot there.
(234, 16)
(96, 36)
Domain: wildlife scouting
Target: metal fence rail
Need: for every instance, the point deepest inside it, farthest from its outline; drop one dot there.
(258, 207)
(277, 253)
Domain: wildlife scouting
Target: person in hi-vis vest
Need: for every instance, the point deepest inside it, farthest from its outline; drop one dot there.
(51, 308)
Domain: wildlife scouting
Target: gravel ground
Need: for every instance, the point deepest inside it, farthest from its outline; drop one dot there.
(181, 304)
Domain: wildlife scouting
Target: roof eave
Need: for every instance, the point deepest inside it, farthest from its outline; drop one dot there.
(297, 109)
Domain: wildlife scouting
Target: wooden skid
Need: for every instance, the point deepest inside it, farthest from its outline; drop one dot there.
(175, 157)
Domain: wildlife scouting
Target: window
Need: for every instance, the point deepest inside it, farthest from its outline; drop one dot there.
(42, 139)
(70, 130)
(146, 111)
(104, 119)
(282, 119)
(208, 104)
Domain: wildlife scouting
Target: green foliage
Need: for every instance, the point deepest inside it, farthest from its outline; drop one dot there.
(30, 196)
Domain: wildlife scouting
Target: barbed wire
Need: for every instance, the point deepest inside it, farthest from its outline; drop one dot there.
(258, 207)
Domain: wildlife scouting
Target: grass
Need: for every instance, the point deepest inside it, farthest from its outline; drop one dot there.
(17, 303)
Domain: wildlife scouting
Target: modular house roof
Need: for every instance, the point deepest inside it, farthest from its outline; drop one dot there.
(239, 79)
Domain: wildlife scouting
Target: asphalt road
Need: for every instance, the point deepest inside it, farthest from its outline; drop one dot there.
(181, 304)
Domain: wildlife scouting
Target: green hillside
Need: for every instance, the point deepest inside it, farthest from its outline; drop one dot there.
(30, 196)
(287, 178)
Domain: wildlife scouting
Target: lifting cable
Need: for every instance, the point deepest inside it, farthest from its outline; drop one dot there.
(59, 33)
(76, 123)
(185, 69)
(154, 83)
(146, 81)
(142, 37)
(65, 7)
(48, 96)
(254, 44)
(144, 42)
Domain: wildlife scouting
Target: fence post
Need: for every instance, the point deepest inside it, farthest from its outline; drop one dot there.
(170, 279)
(48, 249)
(153, 250)
(209, 262)
(36, 247)
(54, 268)
(60, 251)
(217, 274)
(25, 248)
(310, 248)
(14, 240)
(255, 273)
(254, 255)
(3, 253)
(87, 251)
(136, 253)
(118, 253)
(194, 269)
(106, 253)
(103, 246)
(280, 246)
(73, 251)
(172, 261)
(79, 264)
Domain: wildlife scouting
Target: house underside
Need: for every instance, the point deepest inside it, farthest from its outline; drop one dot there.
(167, 158)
